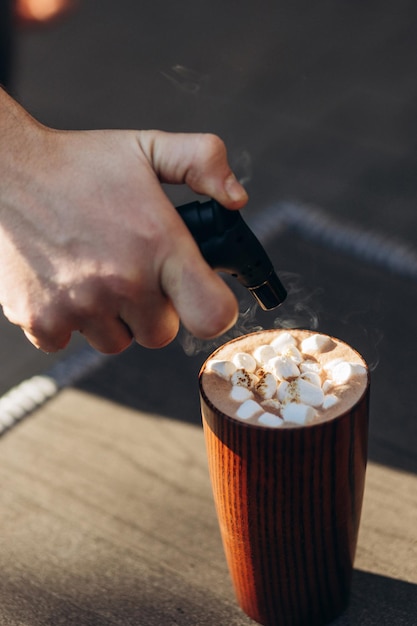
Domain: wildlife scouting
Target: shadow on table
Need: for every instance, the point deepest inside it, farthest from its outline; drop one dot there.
(163, 382)
(379, 600)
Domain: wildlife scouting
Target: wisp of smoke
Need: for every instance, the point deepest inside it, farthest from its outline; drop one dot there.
(299, 309)
(185, 78)
(363, 329)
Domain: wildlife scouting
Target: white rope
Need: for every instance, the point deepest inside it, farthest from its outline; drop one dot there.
(309, 222)
(318, 227)
(32, 393)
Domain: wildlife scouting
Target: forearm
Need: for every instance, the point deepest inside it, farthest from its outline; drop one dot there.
(14, 120)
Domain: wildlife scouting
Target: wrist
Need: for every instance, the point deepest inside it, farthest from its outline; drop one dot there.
(16, 125)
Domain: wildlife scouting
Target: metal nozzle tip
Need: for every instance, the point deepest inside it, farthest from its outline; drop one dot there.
(270, 293)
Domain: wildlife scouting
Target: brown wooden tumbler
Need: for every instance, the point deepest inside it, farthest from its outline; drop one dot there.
(288, 502)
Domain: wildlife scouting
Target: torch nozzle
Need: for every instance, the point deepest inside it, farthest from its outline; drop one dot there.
(270, 293)
(228, 245)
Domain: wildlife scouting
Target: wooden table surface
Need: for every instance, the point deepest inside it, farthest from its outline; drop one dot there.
(107, 518)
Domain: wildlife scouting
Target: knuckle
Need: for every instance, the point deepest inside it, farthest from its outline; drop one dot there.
(160, 333)
(32, 321)
(157, 338)
(210, 160)
(45, 330)
(212, 145)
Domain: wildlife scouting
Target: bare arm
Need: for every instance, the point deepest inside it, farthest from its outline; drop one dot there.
(90, 242)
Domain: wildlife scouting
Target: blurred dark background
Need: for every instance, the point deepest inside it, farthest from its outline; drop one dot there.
(317, 103)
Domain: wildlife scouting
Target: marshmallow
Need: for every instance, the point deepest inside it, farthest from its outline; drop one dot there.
(244, 361)
(282, 342)
(329, 400)
(332, 364)
(273, 404)
(328, 384)
(240, 394)
(316, 343)
(264, 353)
(342, 372)
(298, 413)
(225, 369)
(312, 377)
(308, 393)
(248, 409)
(293, 353)
(283, 368)
(243, 378)
(310, 366)
(358, 369)
(286, 391)
(301, 391)
(269, 419)
(267, 386)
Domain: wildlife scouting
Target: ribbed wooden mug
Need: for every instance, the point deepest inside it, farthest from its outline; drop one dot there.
(289, 502)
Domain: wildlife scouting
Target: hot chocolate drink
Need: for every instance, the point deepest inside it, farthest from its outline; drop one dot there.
(285, 417)
(284, 378)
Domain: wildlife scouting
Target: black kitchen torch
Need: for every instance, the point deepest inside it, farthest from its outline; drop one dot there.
(228, 245)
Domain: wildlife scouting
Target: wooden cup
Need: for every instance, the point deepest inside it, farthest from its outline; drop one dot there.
(288, 502)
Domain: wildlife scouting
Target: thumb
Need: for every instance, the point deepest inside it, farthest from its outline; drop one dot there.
(199, 160)
(203, 301)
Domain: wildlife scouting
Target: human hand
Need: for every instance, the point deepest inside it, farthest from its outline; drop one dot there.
(89, 241)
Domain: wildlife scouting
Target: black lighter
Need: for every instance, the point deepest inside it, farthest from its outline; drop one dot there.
(228, 245)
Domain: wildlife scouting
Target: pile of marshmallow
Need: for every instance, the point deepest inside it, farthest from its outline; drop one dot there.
(281, 382)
